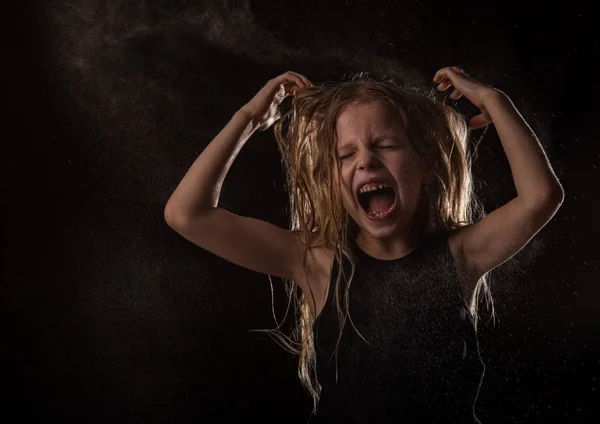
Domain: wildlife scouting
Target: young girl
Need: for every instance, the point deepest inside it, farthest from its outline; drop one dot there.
(379, 180)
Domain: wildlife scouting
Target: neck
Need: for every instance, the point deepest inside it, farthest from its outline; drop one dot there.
(394, 247)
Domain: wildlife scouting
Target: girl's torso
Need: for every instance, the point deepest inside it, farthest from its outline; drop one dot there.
(320, 264)
(409, 350)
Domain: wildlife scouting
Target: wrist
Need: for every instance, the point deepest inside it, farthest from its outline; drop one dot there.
(247, 115)
(494, 97)
(244, 111)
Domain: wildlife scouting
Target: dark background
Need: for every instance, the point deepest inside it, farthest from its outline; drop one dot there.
(108, 315)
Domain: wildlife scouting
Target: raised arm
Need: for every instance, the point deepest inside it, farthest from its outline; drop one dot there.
(201, 186)
(505, 231)
(193, 212)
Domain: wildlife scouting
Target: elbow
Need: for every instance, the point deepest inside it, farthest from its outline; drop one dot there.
(554, 196)
(171, 215)
(168, 215)
(549, 199)
(177, 217)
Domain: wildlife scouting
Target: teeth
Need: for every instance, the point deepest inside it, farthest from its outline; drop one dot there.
(372, 187)
(375, 215)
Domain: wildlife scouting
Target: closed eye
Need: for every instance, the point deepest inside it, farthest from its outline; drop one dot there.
(381, 147)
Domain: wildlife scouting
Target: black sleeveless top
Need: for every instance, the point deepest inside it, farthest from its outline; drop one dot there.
(423, 363)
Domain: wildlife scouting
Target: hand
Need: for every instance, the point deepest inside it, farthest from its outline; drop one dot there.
(263, 108)
(477, 92)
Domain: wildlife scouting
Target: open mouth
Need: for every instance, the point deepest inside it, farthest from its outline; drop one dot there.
(378, 204)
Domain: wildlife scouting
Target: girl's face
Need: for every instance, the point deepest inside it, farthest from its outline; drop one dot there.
(371, 143)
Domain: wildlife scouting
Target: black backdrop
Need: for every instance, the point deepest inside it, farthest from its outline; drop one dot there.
(108, 315)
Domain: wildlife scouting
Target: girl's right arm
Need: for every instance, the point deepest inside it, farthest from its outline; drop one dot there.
(192, 210)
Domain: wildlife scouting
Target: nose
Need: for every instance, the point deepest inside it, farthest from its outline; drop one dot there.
(367, 159)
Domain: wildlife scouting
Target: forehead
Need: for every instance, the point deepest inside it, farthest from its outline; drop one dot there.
(366, 120)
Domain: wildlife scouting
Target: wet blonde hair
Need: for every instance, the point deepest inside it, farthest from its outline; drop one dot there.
(306, 138)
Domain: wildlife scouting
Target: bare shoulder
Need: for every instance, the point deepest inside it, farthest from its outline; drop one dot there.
(319, 263)
(468, 283)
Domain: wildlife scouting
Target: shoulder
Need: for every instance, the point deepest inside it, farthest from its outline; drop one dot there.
(319, 263)
(455, 245)
(468, 275)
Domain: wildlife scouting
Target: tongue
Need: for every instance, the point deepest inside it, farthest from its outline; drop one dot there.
(381, 202)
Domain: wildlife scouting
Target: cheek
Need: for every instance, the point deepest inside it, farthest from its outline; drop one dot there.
(409, 173)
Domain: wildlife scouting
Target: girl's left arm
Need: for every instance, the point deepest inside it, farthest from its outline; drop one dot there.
(505, 231)
(535, 181)
(490, 242)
